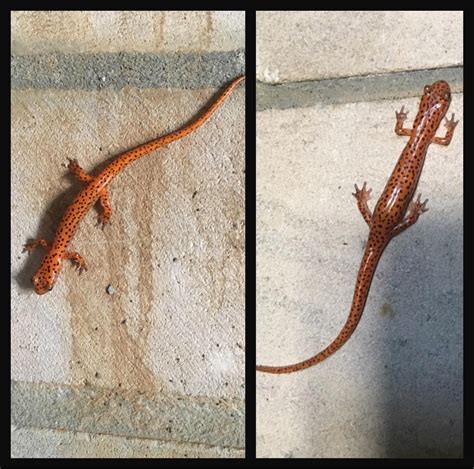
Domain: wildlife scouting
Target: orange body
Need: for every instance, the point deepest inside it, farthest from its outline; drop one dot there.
(395, 210)
(97, 189)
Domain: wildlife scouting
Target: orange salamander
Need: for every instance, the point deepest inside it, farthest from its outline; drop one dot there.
(396, 209)
(96, 189)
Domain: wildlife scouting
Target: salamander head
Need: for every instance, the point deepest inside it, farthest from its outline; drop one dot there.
(440, 89)
(433, 106)
(437, 95)
(45, 277)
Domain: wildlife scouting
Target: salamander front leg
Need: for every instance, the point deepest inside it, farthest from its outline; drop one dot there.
(415, 209)
(77, 171)
(34, 244)
(450, 125)
(77, 259)
(401, 117)
(362, 196)
(104, 200)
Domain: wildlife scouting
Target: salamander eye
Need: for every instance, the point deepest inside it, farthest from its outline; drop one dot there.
(447, 95)
(426, 89)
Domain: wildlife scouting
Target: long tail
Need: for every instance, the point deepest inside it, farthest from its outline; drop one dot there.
(148, 147)
(364, 279)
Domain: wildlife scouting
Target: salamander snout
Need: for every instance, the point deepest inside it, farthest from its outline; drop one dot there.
(439, 89)
(46, 275)
(41, 284)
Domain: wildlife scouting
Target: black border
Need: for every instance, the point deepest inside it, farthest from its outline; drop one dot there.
(250, 236)
(467, 461)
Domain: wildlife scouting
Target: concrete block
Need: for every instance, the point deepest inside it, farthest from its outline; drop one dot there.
(46, 443)
(314, 45)
(79, 32)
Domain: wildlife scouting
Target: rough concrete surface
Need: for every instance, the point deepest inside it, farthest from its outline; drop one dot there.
(314, 45)
(78, 32)
(155, 327)
(132, 413)
(354, 89)
(110, 71)
(45, 443)
(395, 389)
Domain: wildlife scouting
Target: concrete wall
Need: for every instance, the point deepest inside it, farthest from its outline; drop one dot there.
(395, 389)
(142, 355)
(298, 46)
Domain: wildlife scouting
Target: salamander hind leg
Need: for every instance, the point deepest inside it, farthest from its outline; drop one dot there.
(77, 259)
(362, 196)
(415, 209)
(104, 216)
(401, 117)
(450, 125)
